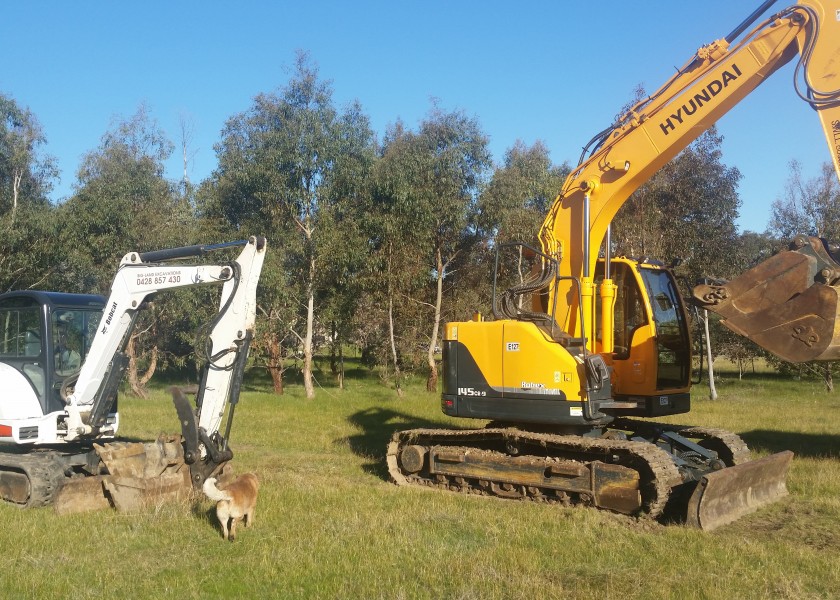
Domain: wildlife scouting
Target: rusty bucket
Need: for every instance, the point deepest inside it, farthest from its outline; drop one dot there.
(787, 304)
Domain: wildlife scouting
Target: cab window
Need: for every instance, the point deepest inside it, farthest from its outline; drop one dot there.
(72, 333)
(21, 330)
(673, 344)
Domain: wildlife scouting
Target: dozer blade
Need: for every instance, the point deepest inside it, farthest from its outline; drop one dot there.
(723, 496)
(788, 304)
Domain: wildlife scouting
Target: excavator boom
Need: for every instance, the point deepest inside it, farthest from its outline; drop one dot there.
(717, 78)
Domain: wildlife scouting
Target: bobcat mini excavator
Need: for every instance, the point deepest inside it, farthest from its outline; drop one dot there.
(62, 357)
(584, 349)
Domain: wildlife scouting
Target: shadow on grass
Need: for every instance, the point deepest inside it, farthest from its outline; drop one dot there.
(812, 445)
(378, 425)
(208, 516)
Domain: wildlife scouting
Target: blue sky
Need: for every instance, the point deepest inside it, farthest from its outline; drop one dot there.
(551, 71)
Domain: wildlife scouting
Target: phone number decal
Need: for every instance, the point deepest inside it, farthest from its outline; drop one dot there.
(159, 278)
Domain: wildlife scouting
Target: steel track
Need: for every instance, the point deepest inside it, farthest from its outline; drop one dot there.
(658, 473)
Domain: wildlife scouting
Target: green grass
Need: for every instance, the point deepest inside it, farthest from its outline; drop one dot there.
(329, 525)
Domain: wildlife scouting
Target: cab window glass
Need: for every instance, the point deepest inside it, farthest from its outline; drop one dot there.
(72, 333)
(21, 332)
(672, 339)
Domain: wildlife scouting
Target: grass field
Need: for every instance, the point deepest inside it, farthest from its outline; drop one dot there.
(329, 525)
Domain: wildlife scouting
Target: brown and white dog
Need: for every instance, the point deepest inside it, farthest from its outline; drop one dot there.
(234, 502)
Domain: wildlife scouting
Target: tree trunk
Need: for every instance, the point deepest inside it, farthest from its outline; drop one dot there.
(333, 354)
(829, 380)
(310, 326)
(340, 367)
(275, 363)
(17, 177)
(432, 381)
(519, 297)
(136, 381)
(712, 390)
(336, 357)
(394, 347)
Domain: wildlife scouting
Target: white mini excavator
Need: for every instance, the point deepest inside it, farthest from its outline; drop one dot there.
(62, 358)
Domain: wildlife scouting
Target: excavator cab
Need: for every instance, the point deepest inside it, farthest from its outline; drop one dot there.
(651, 351)
(45, 337)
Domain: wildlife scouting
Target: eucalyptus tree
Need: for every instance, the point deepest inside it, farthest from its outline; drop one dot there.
(394, 275)
(808, 206)
(515, 202)
(26, 215)
(289, 166)
(427, 186)
(26, 174)
(122, 202)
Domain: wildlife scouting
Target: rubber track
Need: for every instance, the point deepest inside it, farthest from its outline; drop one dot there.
(657, 478)
(44, 470)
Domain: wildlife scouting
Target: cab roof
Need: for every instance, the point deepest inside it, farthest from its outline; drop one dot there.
(56, 298)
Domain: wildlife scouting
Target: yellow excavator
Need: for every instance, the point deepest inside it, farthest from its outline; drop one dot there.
(586, 347)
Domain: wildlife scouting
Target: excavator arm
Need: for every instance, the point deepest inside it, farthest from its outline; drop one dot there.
(621, 158)
(141, 275)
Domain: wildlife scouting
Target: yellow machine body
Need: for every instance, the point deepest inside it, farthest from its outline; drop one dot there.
(525, 371)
